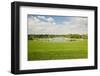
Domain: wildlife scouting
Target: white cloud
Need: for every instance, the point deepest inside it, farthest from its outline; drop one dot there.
(50, 19)
(75, 25)
(41, 17)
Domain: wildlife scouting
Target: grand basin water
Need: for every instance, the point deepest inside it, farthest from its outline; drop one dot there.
(58, 39)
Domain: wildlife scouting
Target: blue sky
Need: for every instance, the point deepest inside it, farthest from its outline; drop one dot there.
(44, 24)
(60, 19)
(57, 19)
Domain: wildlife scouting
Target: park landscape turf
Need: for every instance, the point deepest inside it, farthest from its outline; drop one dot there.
(48, 50)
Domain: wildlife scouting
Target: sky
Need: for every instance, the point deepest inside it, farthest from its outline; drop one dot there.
(47, 24)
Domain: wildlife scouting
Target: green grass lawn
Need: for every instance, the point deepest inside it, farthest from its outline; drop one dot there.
(45, 50)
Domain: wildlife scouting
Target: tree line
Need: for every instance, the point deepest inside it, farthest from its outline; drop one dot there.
(83, 36)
